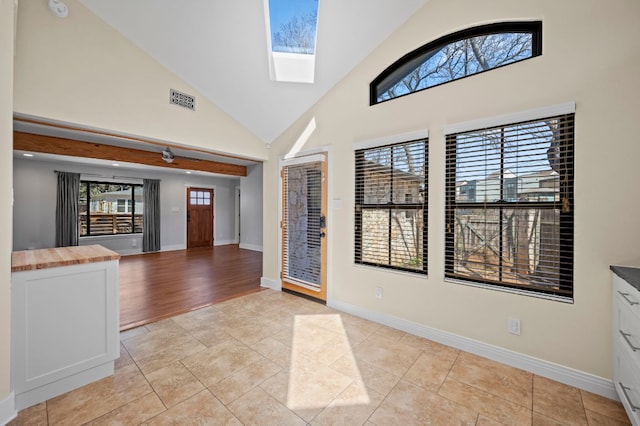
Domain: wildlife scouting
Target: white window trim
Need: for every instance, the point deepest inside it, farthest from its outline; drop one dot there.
(315, 158)
(391, 139)
(509, 119)
(304, 156)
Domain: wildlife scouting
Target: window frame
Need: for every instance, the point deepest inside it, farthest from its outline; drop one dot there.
(566, 233)
(87, 214)
(360, 206)
(532, 27)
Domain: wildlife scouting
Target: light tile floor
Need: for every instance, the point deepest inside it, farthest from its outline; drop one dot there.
(271, 358)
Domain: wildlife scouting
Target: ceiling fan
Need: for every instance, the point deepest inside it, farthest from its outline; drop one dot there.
(168, 155)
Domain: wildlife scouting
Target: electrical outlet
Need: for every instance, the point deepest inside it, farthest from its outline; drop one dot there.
(514, 326)
(378, 292)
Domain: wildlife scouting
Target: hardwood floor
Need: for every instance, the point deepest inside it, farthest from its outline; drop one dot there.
(154, 286)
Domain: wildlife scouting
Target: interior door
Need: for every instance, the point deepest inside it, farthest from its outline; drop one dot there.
(304, 226)
(199, 217)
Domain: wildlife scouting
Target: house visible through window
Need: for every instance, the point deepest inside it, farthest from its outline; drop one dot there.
(458, 55)
(110, 208)
(391, 206)
(509, 206)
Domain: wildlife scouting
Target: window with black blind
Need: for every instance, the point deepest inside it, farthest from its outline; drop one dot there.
(391, 206)
(510, 206)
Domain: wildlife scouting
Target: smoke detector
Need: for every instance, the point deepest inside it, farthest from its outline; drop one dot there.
(167, 155)
(59, 8)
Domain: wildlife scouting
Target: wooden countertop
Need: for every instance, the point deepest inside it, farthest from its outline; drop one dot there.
(28, 260)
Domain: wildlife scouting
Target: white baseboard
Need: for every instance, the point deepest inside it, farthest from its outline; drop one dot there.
(550, 370)
(8, 409)
(66, 384)
(224, 242)
(269, 283)
(173, 247)
(253, 247)
(129, 252)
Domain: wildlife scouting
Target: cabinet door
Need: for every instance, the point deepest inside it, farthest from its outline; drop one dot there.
(64, 321)
(627, 333)
(627, 382)
(626, 295)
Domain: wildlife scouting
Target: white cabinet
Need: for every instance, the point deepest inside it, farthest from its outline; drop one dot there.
(626, 343)
(65, 329)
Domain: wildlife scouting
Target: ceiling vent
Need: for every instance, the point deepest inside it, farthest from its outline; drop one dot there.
(183, 100)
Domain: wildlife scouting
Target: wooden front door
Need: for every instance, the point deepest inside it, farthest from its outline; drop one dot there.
(199, 217)
(304, 226)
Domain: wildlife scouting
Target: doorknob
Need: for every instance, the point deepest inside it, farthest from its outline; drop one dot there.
(322, 234)
(188, 217)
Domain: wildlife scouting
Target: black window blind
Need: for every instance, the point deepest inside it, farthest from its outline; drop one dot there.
(391, 206)
(510, 205)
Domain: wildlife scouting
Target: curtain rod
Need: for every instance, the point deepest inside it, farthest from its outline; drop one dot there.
(105, 177)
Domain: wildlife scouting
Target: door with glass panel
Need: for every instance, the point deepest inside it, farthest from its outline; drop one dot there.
(304, 225)
(199, 217)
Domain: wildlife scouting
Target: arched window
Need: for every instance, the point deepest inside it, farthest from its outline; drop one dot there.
(454, 56)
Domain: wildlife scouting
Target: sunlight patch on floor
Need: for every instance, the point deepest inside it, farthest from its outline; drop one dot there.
(318, 340)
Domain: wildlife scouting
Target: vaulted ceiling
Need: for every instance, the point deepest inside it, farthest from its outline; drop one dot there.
(220, 48)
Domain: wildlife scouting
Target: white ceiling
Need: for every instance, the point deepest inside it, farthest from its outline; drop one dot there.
(220, 48)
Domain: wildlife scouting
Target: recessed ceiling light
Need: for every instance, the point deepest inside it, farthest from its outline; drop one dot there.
(188, 172)
(27, 155)
(115, 165)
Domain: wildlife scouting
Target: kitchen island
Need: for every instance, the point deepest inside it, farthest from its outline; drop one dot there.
(65, 320)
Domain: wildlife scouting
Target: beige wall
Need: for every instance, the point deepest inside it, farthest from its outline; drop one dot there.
(80, 70)
(6, 177)
(591, 56)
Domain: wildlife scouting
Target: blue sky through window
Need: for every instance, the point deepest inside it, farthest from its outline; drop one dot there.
(293, 25)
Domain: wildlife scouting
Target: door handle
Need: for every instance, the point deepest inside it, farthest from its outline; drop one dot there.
(627, 298)
(627, 397)
(629, 342)
(323, 234)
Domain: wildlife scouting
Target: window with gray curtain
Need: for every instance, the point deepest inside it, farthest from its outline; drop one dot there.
(68, 193)
(151, 215)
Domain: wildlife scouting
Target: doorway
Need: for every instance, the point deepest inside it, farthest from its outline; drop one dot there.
(199, 217)
(304, 226)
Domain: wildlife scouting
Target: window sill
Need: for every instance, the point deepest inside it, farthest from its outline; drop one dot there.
(111, 236)
(391, 271)
(537, 295)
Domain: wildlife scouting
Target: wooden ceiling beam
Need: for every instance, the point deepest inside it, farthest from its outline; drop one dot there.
(60, 146)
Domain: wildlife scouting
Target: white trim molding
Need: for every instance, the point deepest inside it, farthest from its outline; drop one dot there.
(391, 139)
(173, 247)
(8, 410)
(302, 159)
(129, 252)
(269, 283)
(550, 370)
(253, 247)
(224, 242)
(500, 120)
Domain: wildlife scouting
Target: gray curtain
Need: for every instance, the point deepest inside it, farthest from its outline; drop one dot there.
(151, 215)
(68, 194)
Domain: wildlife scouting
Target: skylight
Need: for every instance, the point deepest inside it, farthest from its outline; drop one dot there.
(292, 27)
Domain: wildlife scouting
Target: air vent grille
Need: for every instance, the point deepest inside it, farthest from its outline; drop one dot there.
(183, 100)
